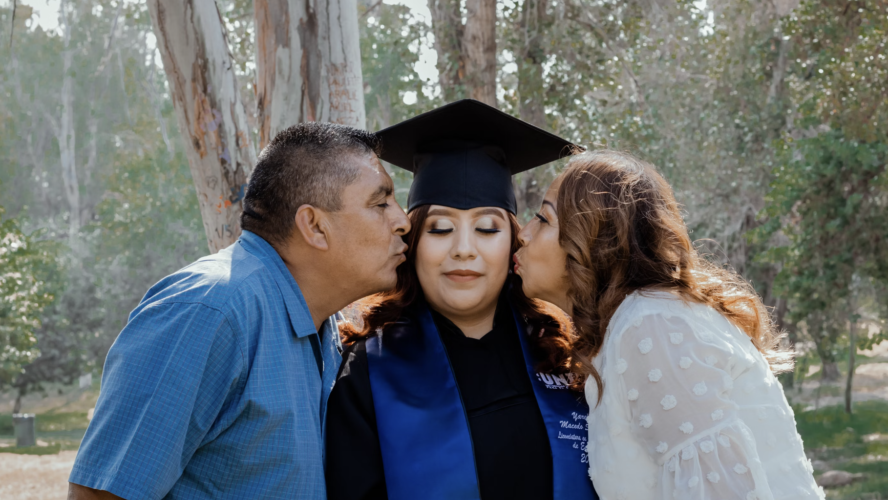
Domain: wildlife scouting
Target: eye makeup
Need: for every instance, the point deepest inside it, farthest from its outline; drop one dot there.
(486, 225)
(440, 226)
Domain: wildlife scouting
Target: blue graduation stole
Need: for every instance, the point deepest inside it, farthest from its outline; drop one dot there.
(427, 449)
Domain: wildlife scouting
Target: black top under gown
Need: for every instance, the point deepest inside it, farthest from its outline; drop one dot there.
(512, 453)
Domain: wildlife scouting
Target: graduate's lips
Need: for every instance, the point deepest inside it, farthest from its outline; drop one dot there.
(462, 275)
(517, 263)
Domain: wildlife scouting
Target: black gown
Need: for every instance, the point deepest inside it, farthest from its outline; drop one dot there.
(512, 454)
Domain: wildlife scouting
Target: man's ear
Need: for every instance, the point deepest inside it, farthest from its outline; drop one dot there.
(311, 226)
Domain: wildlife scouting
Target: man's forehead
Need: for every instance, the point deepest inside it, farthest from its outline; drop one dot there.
(373, 180)
(371, 166)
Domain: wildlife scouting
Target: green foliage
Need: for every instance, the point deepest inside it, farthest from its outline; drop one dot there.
(829, 191)
(29, 276)
(390, 42)
(829, 198)
(139, 216)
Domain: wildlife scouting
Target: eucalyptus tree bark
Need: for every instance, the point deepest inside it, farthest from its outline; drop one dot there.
(308, 64)
(448, 28)
(479, 49)
(203, 86)
(530, 56)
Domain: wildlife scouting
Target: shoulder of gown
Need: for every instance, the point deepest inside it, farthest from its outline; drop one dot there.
(353, 457)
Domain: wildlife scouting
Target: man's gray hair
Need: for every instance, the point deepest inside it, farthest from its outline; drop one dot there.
(306, 164)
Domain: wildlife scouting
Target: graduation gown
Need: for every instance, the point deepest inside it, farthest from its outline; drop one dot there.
(509, 439)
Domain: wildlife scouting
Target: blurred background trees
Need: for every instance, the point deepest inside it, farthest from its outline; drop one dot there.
(769, 119)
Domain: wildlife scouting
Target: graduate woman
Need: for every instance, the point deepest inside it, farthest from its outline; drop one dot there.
(456, 385)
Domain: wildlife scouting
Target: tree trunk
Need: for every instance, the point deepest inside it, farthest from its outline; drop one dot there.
(308, 64)
(530, 185)
(17, 406)
(830, 372)
(824, 338)
(776, 87)
(66, 133)
(852, 352)
(531, 92)
(203, 86)
(479, 48)
(448, 28)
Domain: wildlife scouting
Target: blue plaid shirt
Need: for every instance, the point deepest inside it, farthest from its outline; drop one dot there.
(216, 388)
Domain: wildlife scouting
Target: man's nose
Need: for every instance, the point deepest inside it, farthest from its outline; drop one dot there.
(401, 224)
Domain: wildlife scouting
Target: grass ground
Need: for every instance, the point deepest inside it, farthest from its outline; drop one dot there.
(56, 431)
(856, 443)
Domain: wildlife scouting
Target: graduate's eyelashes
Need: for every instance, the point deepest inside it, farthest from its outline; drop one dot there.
(448, 227)
(541, 218)
(450, 230)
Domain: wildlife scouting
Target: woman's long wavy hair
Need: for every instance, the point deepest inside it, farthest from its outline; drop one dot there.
(622, 230)
(551, 335)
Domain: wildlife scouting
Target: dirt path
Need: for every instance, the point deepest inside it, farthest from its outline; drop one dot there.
(28, 477)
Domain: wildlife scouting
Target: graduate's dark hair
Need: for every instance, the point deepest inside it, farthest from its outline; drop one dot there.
(306, 164)
(551, 331)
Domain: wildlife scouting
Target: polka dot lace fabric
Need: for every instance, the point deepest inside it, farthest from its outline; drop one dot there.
(691, 390)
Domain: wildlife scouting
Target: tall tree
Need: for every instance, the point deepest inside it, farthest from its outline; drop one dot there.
(29, 276)
(308, 64)
(194, 48)
(479, 50)
(448, 28)
(530, 54)
(466, 51)
(828, 192)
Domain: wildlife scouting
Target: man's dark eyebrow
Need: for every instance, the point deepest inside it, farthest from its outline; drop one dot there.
(383, 192)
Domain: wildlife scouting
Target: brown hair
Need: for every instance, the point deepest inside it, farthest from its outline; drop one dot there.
(622, 230)
(550, 336)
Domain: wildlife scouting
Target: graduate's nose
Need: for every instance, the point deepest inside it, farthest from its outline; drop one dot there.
(464, 246)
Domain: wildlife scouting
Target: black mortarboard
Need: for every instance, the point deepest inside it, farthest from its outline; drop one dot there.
(463, 154)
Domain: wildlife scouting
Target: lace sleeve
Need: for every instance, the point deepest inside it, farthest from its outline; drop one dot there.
(677, 380)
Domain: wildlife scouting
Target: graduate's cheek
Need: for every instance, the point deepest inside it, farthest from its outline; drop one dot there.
(432, 252)
(496, 252)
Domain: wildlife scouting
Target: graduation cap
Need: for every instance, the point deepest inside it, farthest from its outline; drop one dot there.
(463, 154)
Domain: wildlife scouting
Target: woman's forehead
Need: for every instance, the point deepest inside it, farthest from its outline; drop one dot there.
(551, 196)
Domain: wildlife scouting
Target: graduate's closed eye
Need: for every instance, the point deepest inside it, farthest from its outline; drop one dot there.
(491, 230)
(542, 219)
(440, 231)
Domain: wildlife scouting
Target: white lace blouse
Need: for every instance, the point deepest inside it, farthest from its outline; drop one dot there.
(690, 410)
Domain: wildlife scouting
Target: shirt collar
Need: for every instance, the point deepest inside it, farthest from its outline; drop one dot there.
(297, 308)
